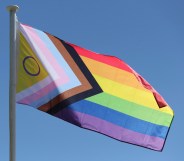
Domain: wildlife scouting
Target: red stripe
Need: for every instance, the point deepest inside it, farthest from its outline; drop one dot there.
(110, 60)
(116, 62)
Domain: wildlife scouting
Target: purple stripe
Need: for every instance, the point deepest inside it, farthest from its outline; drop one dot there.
(109, 129)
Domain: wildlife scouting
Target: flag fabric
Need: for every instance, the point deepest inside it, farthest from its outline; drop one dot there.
(93, 91)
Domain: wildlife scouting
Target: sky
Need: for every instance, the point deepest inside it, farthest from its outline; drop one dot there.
(146, 34)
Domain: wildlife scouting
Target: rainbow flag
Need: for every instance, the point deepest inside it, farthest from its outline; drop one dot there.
(93, 91)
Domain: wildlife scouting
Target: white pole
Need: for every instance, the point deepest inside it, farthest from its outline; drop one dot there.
(12, 83)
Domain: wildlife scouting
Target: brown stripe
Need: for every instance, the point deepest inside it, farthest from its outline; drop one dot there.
(85, 85)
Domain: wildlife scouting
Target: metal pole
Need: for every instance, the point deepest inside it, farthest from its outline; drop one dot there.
(12, 83)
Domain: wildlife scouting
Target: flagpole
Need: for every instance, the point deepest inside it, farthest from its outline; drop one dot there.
(12, 83)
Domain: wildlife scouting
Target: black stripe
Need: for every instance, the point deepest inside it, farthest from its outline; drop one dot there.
(95, 87)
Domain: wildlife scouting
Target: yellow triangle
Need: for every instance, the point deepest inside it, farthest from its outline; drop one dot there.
(30, 69)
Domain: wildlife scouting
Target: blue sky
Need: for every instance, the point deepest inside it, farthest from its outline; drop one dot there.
(147, 34)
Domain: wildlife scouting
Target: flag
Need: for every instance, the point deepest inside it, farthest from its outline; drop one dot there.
(93, 91)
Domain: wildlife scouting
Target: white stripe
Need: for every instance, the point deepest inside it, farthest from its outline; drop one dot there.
(39, 54)
(34, 88)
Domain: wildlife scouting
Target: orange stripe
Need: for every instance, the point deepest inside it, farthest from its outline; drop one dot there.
(107, 59)
(113, 73)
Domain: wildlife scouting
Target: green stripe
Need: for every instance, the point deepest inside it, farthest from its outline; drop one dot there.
(132, 109)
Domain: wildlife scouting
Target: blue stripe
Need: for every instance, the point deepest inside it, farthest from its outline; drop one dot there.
(119, 119)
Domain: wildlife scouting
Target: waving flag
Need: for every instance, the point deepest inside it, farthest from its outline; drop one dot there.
(97, 92)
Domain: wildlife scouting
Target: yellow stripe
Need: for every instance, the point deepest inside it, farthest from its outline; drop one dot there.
(119, 76)
(167, 109)
(112, 73)
(129, 93)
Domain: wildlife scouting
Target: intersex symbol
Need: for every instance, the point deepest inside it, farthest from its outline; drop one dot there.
(34, 63)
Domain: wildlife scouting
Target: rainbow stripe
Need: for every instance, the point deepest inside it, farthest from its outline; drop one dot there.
(97, 92)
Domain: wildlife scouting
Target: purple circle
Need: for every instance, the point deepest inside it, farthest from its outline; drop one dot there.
(28, 72)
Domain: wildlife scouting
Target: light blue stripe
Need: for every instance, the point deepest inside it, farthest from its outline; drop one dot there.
(73, 80)
(53, 94)
(56, 54)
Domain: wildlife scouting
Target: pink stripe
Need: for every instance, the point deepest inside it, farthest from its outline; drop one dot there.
(41, 45)
(42, 92)
(57, 68)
